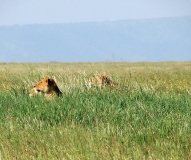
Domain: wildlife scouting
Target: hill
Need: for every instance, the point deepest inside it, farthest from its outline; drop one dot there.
(163, 39)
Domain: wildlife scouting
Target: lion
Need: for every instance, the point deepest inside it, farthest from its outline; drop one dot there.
(46, 86)
(100, 81)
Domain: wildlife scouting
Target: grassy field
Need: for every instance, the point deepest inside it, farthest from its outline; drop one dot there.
(146, 116)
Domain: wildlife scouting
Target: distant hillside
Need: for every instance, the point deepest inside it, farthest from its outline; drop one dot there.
(161, 39)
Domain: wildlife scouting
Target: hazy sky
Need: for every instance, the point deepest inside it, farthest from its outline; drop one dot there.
(64, 11)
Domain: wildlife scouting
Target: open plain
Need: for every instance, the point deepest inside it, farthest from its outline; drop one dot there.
(147, 115)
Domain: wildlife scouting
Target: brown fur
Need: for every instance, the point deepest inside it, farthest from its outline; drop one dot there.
(100, 81)
(46, 86)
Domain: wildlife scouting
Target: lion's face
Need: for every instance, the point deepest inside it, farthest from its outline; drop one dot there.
(33, 92)
(93, 81)
(46, 86)
(100, 81)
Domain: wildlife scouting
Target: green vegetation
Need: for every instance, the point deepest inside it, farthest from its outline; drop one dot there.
(147, 116)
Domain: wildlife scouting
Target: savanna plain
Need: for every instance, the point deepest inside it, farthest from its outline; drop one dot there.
(147, 115)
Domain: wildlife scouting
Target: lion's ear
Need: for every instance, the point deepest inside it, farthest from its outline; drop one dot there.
(50, 81)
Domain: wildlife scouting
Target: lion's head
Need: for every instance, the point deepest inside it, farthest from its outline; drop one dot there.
(46, 86)
(100, 81)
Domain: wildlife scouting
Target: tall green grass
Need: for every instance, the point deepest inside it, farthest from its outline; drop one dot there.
(147, 116)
